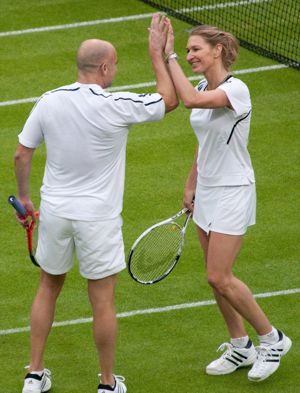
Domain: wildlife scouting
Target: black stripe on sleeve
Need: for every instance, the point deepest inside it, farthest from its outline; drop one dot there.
(99, 94)
(233, 128)
(128, 99)
(153, 102)
(54, 91)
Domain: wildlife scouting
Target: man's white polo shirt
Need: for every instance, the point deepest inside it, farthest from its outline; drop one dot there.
(85, 130)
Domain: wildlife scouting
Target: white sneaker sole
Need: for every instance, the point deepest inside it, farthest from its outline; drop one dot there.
(36, 391)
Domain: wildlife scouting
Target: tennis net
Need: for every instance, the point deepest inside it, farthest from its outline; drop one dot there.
(268, 27)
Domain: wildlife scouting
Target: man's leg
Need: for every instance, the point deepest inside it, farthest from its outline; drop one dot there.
(42, 315)
(101, 294)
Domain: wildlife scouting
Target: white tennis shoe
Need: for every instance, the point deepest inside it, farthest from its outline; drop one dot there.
(268, 358)
(118, 388)
(33, 383)
(232, 359)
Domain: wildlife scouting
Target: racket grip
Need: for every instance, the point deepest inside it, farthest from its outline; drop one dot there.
(12, 200)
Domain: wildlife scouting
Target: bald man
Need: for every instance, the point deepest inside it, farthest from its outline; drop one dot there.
(85, 131)
(93, 55)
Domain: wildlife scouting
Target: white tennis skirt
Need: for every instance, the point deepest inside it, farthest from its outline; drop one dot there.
(225, 209)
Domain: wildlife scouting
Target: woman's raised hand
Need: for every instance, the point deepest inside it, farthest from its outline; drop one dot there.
(169, 44)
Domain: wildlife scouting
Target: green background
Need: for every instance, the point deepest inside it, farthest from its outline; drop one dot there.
(158, 352)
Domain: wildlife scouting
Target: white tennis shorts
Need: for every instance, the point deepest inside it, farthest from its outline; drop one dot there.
(98, 245)
(229, 209)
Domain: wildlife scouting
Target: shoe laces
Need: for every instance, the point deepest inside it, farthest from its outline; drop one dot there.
(227, 347)
(47, 372)
(263, 353)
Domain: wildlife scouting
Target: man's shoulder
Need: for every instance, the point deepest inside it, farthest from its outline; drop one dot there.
(66, 88)
(71, 87)
(50, 95)
(136, 98)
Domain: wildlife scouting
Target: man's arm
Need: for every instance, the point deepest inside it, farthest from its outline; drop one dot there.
(22, 160)
(164, 83)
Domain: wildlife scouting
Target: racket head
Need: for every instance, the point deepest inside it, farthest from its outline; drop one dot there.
(156, 252)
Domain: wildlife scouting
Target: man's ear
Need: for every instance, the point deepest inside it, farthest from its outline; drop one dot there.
(103, 68)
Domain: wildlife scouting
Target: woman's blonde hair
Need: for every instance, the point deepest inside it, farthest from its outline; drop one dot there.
(213, 36)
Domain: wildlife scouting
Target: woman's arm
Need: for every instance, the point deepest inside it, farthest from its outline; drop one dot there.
(190, 97)
(190, 185)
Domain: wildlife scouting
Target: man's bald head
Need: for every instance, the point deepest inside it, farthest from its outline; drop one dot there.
(91, 53)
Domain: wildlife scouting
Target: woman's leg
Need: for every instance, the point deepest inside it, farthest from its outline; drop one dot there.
(233, 320)
(221, 254)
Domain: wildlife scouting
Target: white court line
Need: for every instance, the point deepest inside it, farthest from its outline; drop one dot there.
(152, 83)
(198, 77)
(127, 314)
(222, 5)
(75, 25)
(126, 18)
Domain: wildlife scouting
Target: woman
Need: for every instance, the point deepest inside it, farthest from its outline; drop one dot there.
(220, 190)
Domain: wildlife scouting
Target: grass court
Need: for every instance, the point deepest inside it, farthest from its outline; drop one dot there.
(164, 351)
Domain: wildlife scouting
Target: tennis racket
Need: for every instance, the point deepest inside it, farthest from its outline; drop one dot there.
(30, 227)
(157, 250)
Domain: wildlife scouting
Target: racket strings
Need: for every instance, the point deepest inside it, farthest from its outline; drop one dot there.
(156, 252)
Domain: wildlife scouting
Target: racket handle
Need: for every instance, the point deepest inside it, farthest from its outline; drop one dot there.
(12, 200)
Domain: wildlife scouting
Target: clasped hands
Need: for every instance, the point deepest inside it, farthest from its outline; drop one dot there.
(161, 36)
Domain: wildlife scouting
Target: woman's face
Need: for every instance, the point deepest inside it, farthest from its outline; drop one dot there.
(200, 54)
